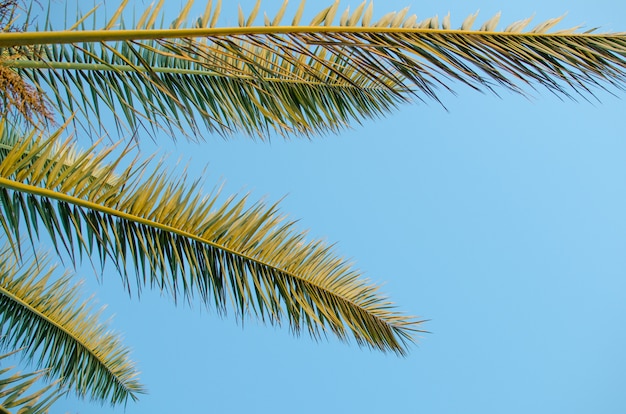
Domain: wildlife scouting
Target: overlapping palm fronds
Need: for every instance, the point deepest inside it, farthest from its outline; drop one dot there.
(301, 79)
(173, 238)
(294, 79)
(41, 313)
(16, 392)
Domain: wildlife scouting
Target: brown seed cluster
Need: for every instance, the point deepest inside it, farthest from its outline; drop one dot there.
(15, 92)
(19, 95)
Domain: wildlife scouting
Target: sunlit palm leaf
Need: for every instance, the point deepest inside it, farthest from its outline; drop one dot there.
(16, 392)
(302, 79)
(11, 137)
(187, 244)
(42, 314)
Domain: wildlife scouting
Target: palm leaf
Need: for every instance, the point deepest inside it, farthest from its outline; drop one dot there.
(41, 313)
(301, 79)
(10, 138)
(176, 240)
(15, 391)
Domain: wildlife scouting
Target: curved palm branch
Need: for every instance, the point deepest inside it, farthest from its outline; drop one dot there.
(42, 314)
(188, 245)
(10, 138)
(14, 391)
(297, 79)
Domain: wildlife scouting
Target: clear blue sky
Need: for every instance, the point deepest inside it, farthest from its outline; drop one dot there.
(502, 220)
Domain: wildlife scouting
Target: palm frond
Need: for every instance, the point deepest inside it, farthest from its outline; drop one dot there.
(11, 137)
(181, 242)
(16, 391)
(42, 314)
(302, 79)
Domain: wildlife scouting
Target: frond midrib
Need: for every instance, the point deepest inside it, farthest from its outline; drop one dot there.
(66, 36)
(66, 332)
(33, 64)
(44, 192)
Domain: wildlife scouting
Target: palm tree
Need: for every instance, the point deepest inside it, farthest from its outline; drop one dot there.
(159, 231)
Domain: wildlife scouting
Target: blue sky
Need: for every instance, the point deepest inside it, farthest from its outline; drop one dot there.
(501, 220)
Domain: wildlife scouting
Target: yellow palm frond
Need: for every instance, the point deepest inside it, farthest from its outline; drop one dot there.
(302, 79)
(42, 314)
(175, 239)
(16, 390)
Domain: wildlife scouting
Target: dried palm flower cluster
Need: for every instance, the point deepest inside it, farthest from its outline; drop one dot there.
(18, 95)
(21, 96)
